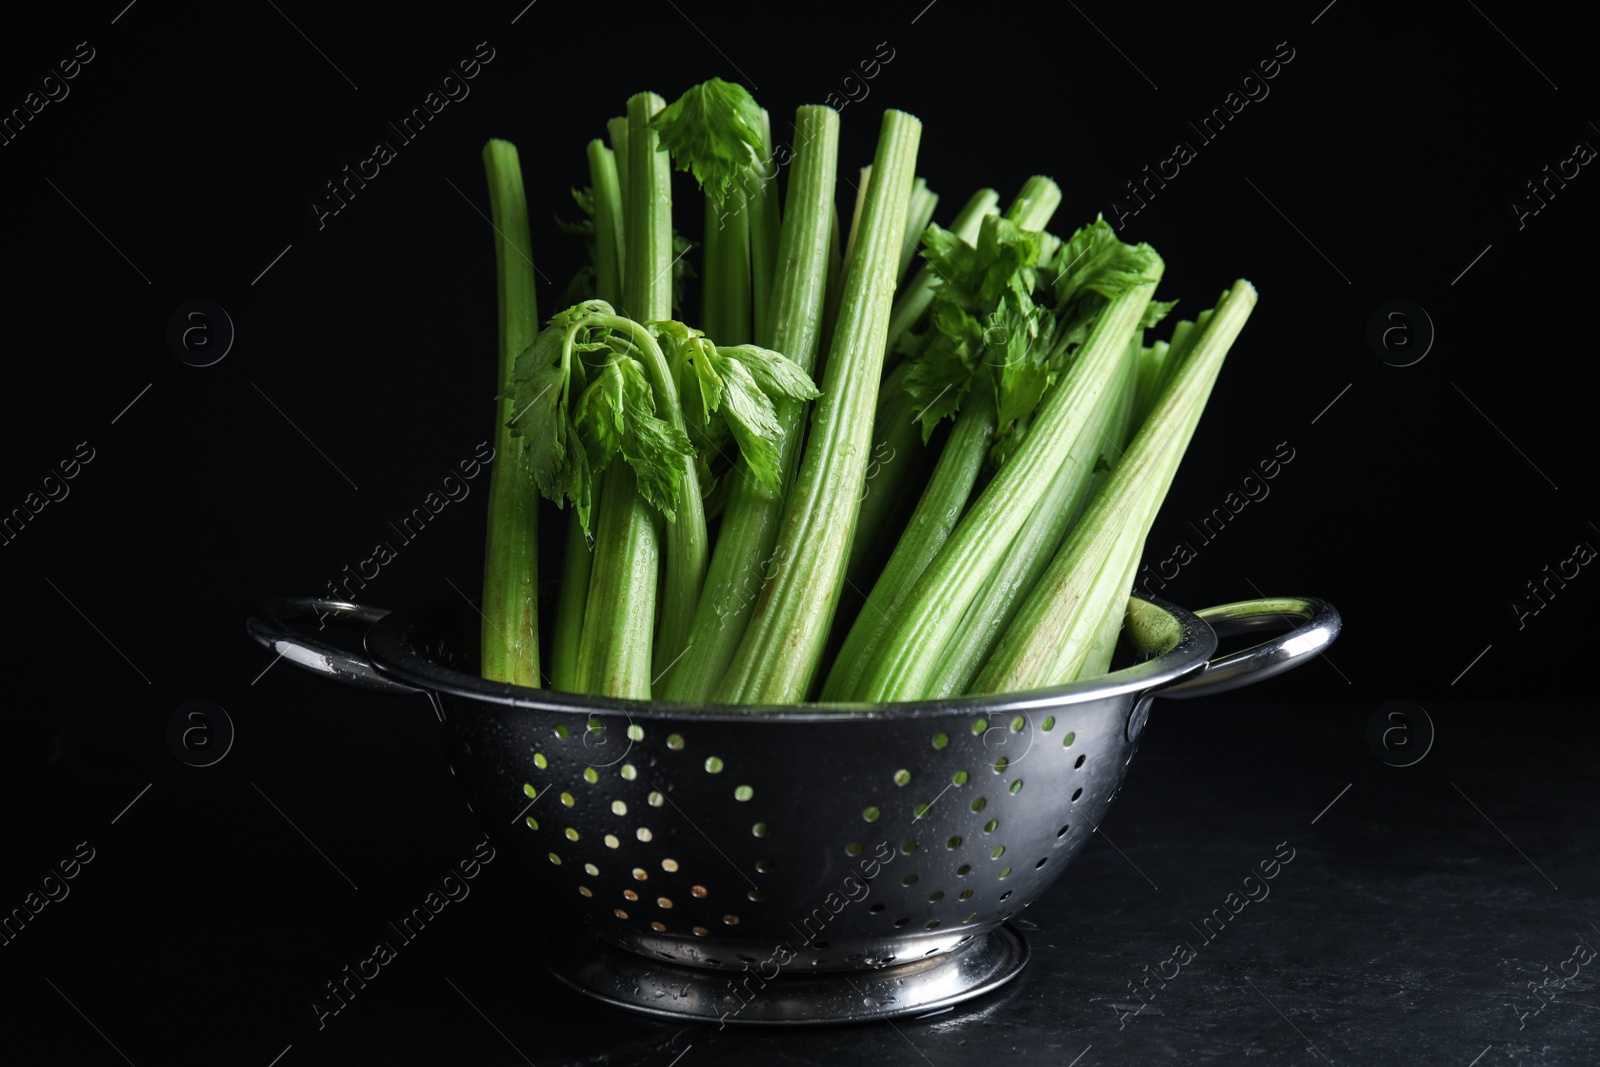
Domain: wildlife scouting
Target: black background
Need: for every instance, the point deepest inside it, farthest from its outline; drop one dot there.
(1382, 165)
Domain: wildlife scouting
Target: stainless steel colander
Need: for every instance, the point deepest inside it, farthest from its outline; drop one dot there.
(812, 864)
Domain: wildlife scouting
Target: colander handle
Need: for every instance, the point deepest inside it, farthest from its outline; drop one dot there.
(1318, 624)
(275, 623)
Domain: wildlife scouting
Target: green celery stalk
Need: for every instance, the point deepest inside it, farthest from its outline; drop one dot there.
(687, 549)
(951, 484)
(1102, 648)
(1051, 638)
(1036, 543)
(765, 234)
(777, 659)
(617, 133)
(510, 635)
(607, 192)
(743, 554)
(1157, 366)
(615, 650)
(933, 611)
(935, 516)
(578, 555)
(726, 301)
(1153, 360)
(898, 456)
(1035, 204)
(919, 212)
(830, 298)
(576, 570)
(836, 287)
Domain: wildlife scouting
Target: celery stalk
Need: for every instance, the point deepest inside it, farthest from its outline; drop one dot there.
(615, 647)
(743, 554)
(919, 212)
(510, 635)
(933, 611)
(765, 235)
(777, 659)
(578, 558)
(1035, 544)
(936, 513)
(1051, 637)
(726, 304)
(898, 455)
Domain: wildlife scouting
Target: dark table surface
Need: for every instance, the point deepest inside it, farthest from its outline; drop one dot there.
(1420, 909)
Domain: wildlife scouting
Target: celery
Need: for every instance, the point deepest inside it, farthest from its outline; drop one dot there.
(778, 657)
(615, 646)
(934, 609)
(579, 555)
(995, 556)
(510, 635)
(1054, 634)
(1035, 544)
(743, 554)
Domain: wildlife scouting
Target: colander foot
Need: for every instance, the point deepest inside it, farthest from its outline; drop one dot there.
(660, 987)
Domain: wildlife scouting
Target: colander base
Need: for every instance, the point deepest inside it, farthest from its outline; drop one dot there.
(658, 987)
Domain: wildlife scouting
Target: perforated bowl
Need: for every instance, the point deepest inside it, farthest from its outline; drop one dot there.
(816, 863)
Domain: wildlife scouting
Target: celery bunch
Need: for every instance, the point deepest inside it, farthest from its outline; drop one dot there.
(977, 453)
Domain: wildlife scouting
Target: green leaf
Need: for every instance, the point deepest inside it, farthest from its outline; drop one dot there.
(599, 416)
(714, 130)
(938, 382)
(545, 351)
(751, 417)
(542, 423)
(616, 416)
(775, 373)
(991, 281)
(730, 391)
(653, 447)
(947, 254)
(1022, 379)
(1006, 254)
(1095, 260)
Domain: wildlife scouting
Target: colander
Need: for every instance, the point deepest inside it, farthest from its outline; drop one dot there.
(810, 864)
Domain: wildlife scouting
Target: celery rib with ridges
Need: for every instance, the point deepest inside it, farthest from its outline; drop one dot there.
(726, 304)
(765, 234)
(510, 635)
(778, 657)
(940, 506)
(579, 555)
(750, 519)
(972, 387)
(619, 614)
(1035, 546)
(919, 212)
(1055, 633)
(936, 606)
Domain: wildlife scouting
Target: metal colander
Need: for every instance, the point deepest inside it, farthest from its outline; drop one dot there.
(808, 864)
